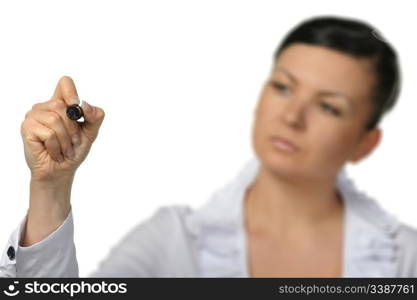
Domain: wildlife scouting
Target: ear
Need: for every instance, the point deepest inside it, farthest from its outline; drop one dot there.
(368, 143)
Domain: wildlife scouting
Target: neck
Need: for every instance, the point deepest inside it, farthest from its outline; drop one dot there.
(275, 204)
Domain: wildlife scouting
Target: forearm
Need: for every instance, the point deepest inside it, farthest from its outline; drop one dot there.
(49, 206)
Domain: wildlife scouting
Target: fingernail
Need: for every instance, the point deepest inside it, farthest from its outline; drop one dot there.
(70, 153)
(87, 107)
(76, 141)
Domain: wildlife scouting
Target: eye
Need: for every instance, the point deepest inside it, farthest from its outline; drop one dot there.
(282, 88)
(329, 108)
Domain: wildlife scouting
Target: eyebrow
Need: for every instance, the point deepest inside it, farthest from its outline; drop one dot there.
(324, 93)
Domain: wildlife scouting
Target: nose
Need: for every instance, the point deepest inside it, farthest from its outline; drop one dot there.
(293, 113)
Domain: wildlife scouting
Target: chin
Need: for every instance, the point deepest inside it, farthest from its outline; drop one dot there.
(281, 165)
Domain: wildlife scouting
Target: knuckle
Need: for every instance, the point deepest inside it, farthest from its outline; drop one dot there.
(35, 106)
(28, 114)
(51, 135)
(100, 113)
(53, 119)
(58, 105)
(23, 128)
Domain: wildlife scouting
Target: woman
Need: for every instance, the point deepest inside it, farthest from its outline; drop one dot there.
(290, 212)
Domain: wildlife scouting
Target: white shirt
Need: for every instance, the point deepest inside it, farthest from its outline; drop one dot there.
(178, 241)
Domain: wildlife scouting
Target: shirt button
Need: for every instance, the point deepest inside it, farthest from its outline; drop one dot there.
(11, 253)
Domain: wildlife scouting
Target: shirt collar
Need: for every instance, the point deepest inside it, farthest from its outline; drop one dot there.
(369, 248)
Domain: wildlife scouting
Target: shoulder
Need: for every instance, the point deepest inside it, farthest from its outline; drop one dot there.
(387, 237)
(379, 243)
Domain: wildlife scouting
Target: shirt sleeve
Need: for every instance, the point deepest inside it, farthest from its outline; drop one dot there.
(138, 252)
(155, 247)
(54, 256)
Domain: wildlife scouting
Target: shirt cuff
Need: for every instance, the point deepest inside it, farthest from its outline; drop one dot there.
(54, 256)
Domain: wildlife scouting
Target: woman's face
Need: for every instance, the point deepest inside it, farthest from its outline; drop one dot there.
(320, 100)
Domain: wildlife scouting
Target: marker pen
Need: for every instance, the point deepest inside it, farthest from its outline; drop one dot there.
(75, 112)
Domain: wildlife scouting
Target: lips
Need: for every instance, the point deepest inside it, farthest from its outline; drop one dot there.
(284, 144)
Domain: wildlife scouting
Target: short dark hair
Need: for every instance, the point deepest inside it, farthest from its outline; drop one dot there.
(358, 39)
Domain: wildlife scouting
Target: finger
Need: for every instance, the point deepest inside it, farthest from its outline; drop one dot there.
(93, 117)
(65, 89)
(41, 133)
(54, 122)
(59, 106)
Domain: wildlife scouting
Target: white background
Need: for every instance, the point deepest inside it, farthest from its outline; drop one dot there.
(179, 81)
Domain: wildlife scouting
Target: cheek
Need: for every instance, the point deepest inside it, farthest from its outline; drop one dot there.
(332, 147)
(267, 113)
(263, 120)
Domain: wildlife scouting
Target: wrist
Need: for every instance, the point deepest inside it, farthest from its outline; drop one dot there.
(49, 206)
(50, 202)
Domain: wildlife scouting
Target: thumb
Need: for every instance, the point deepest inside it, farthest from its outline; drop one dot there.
(93, 117)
